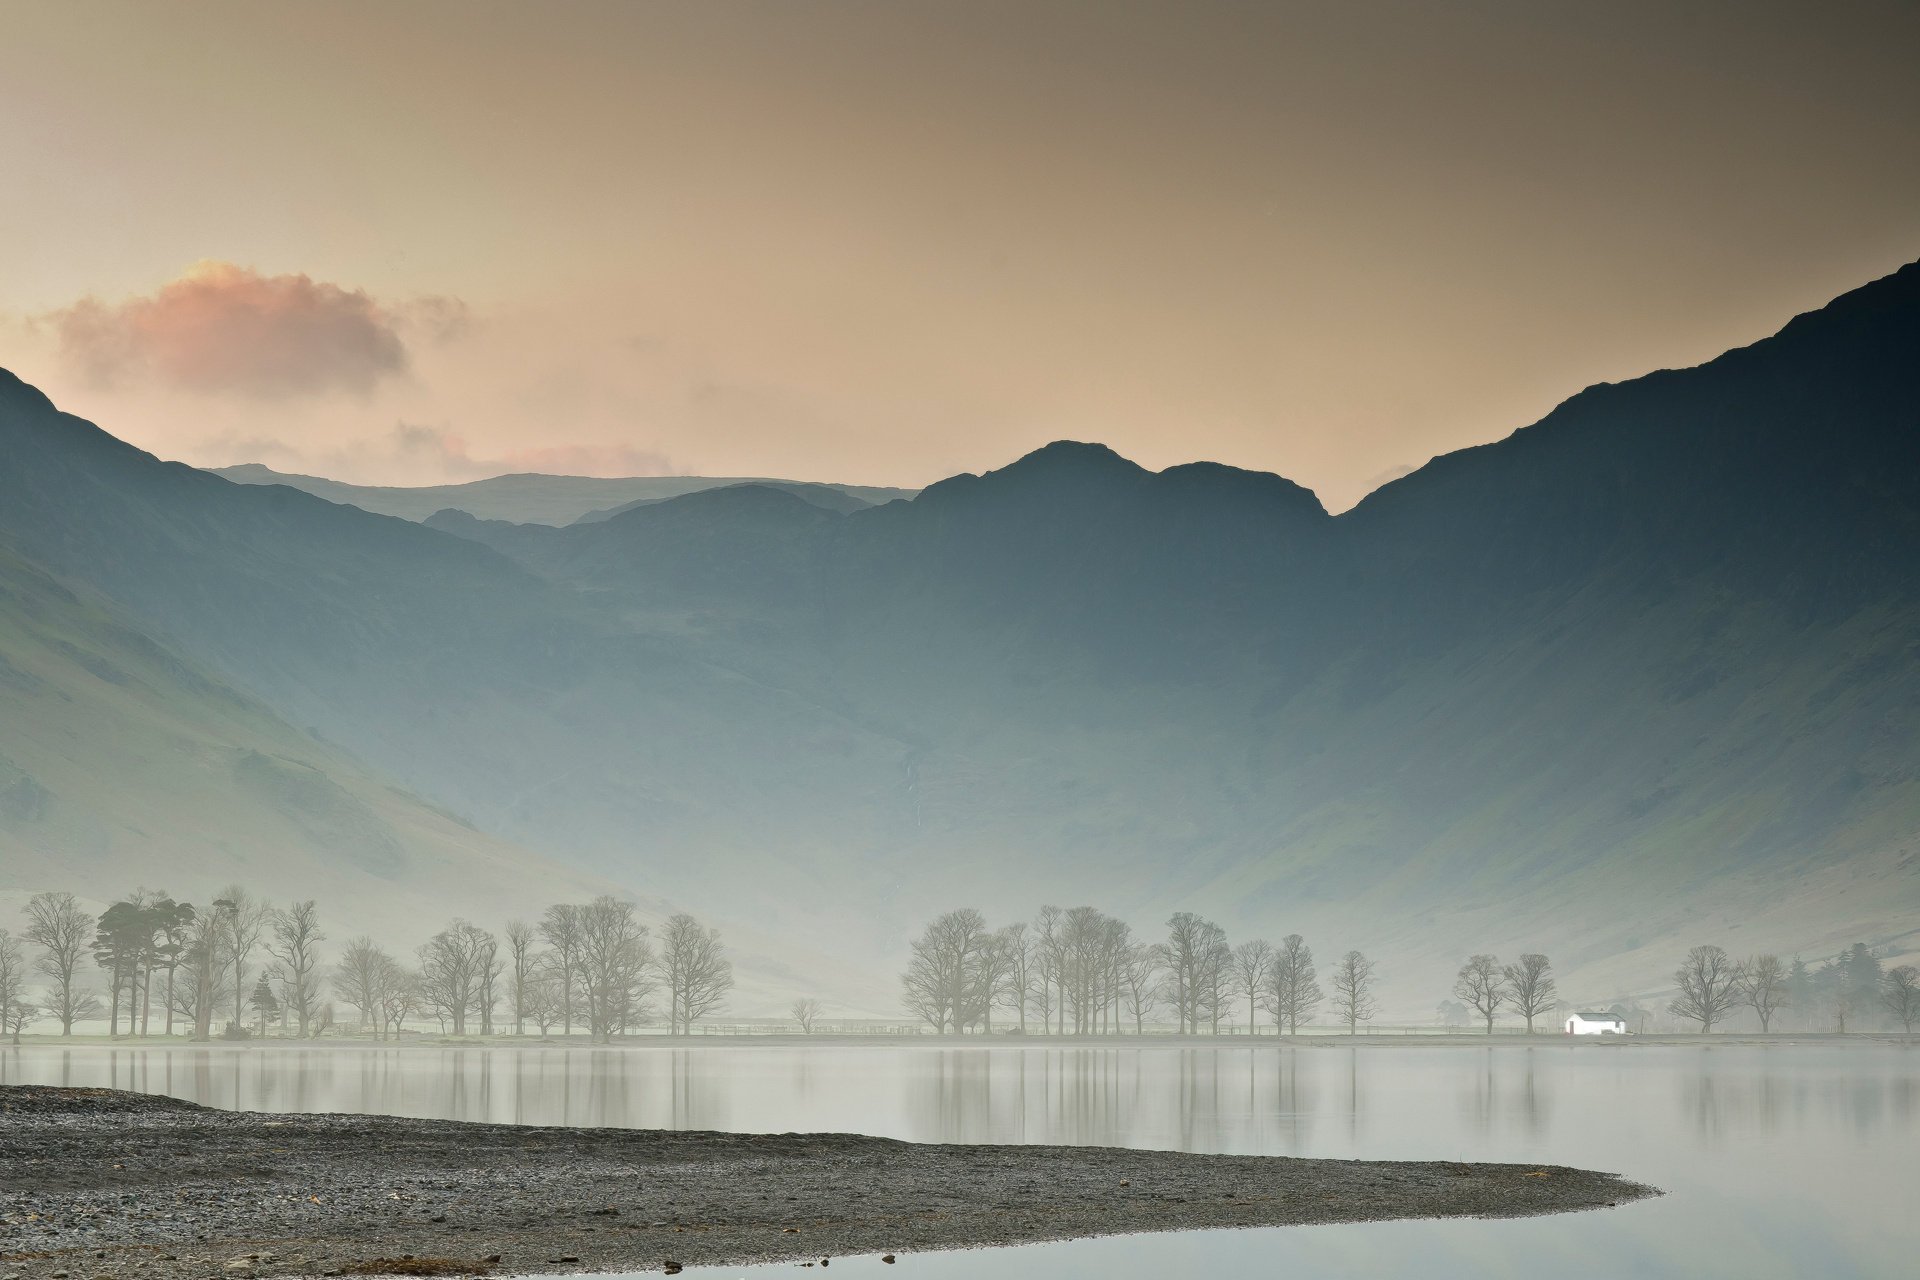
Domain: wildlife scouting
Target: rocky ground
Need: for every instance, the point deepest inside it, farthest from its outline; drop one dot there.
(95, 1183)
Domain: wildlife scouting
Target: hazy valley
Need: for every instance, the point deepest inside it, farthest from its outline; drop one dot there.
(1639, 676)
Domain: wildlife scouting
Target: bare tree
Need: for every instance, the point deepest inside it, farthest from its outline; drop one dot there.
(1530, 987)
(1047, 964)
(17, 1017)
(247, 920)
(205, 989)
(1141, 975)
(358, 979)
(486, 997)
(1761, 984)
(805, 1011)
(1018, 954)
(206, 961)
(1353, 990)
(1252, 970)
(941, 974)
(520, 959)
(560, 926)
(296, 952)
(13, 982)
(1900, 992)
(1196, 955)
(57, 924)
(1708, 987)
(697, 971)
(1483, 985)
(1293, 991)
(453, 965)
(542, 996)
(399, 995)
(615, 963)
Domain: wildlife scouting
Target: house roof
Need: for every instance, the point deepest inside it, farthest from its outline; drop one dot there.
(1599, 1017)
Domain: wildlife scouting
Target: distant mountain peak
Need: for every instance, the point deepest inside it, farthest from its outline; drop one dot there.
(1074, 455)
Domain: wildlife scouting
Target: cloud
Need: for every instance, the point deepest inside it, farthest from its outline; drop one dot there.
(222, 328)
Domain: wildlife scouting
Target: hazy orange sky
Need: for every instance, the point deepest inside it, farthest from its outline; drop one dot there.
(885, 242)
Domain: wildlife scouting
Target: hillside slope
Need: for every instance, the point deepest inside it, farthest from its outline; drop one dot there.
(123, 764)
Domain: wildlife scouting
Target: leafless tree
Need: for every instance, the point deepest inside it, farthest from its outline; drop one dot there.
(1140, 975)
(1017, 952)
(560, 927)
(1530, 987)
(1900, 990)
(453, 967)
(1047, 964)
(520, 959)
(1194, 961)
(996, 979)
(296, 953)
(1708, 987)
(399, 995)
(205, 989)
(805, 1010)
(696, 968)
(62, 929)
(13, 981)
(615, 966)
(542, 996)
(941, 975)
(1252, 968)
(1761, 984)
(1353, 990)
(17, 1017)
(1294, 992)
(206, 961)
(358, 977)
(247, 920)
(1483, 985)
(487, 998)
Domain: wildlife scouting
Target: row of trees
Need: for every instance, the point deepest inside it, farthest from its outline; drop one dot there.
(1712, 984)
(1080, 971)
(592, 965)
(1083, 972)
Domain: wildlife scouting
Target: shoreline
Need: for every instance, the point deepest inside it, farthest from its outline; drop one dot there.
(1385, 1040)
(94, 1181)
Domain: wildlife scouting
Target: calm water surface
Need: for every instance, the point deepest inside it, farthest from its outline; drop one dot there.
(1788, 1161)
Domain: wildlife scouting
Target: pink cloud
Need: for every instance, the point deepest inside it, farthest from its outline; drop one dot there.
(226, 328)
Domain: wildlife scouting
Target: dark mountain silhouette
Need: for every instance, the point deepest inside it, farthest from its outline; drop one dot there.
(1642, 672)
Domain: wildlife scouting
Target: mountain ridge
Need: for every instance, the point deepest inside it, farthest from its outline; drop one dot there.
(1658, 649)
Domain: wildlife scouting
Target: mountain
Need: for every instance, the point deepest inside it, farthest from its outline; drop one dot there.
(1640, 675)
(122, 763)
(543, 499)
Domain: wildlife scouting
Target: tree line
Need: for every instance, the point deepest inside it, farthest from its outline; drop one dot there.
(242, 960)
(1080, 971)
(1854, 984)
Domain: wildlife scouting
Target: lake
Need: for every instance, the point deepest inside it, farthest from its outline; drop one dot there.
(1782, 1160)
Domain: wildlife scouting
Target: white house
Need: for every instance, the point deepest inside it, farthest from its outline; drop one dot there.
(1596, 1024)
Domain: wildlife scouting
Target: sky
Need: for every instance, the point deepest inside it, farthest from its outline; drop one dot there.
(887, 242)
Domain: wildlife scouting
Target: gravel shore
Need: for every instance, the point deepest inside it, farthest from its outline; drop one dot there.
(97, 1183)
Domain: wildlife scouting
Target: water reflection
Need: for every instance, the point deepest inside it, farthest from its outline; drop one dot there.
(1784, 1160)
(1264, 1099)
